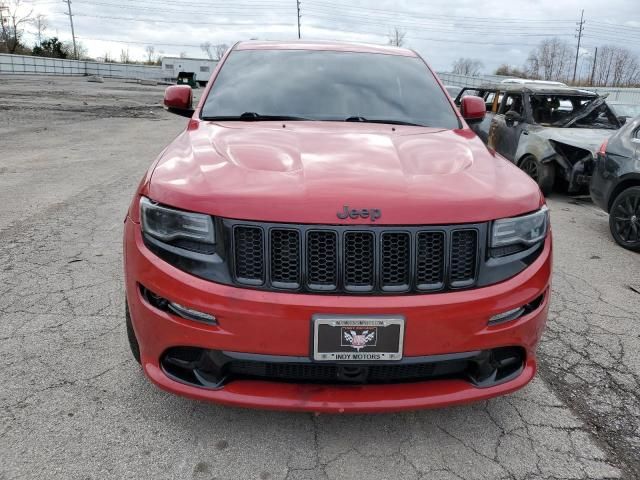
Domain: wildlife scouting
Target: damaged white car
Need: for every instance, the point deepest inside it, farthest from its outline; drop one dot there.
(552, 132)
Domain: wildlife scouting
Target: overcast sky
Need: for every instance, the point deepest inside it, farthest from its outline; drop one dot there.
(493, 31)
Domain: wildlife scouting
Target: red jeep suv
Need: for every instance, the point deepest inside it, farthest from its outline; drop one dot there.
(329, 235)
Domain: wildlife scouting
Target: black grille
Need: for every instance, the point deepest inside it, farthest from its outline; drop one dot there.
(285, 258)
(463, 257)
(338, 259)
(322, 260)
(430, 261)
(249, 255)
(396, 257)
(359, 261)
(331, 373)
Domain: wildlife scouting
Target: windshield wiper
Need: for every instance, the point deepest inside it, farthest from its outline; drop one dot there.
(378, 120)
(253, 117)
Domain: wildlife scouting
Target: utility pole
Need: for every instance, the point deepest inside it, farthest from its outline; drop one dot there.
(593, 70)
(298, 6)
(73, 33)
(580, 29)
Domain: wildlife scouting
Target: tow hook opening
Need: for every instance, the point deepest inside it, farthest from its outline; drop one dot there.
(496, 366)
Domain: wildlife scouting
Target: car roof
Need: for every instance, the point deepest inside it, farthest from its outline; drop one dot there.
(323, 46)
(536, 88)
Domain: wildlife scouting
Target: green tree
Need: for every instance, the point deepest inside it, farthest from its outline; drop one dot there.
(51, 47)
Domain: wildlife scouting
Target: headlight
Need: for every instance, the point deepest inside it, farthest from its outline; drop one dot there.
(526, 230)
(167, 224)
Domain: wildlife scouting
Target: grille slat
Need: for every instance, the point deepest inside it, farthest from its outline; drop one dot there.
(463, 257)
(327, 259)
(430, 261)
(285, 258)
(359, 261)
(322, 260)
(395, 267)
(249, 255)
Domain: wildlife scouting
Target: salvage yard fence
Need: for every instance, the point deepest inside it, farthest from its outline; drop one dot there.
(28, 65)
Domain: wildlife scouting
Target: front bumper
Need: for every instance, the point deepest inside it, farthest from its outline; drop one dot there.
(279, 324)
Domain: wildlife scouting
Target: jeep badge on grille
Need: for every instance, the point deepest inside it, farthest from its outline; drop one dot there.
(371, 213)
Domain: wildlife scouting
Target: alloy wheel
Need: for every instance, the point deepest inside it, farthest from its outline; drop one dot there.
(625, 218)
(530, 168)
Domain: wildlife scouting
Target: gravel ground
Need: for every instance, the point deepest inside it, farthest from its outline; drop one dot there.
(74, 404)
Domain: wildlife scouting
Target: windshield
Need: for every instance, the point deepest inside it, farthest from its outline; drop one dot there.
(561, 110)
(327, 85)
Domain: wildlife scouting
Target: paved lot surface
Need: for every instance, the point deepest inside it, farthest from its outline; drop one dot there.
(74, 404)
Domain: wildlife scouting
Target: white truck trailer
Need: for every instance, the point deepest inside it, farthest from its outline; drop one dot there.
(202, 67)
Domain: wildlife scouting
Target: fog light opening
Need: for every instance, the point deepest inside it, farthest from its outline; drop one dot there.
(177, 309)
(516, 313)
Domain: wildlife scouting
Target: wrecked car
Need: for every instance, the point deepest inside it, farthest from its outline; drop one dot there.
(552, 132)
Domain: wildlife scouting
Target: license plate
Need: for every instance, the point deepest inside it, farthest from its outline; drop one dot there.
(357, 338)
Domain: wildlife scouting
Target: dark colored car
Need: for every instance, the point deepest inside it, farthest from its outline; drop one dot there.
(327, 234)
(615, 185)
(552, 132)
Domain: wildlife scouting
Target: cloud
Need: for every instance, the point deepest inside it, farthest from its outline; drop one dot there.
(493, 31)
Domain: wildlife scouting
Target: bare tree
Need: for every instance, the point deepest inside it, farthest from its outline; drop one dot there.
(467, 66)
(396, 37)
(552, 59)
(616, 66)
(220, 50)
(507, 70)
(183, 54)
(208, 49)
(13, 19)
(80, 50)
(151, 51)
(41, 24)
(214, 52)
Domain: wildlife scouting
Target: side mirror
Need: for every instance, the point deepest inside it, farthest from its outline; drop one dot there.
(512, 117)
(179, 100)
(473, 109)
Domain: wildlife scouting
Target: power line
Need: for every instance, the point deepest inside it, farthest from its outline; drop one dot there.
(438, 28)
(173, 21)
(394, 13)
(430, 39)
(230, 9)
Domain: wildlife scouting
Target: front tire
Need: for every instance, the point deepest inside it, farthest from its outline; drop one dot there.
(624, 219)
(544, 174)
(131, 335)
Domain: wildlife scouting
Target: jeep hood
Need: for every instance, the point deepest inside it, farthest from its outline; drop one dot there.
(306, 172)
(587, 138)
